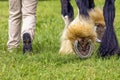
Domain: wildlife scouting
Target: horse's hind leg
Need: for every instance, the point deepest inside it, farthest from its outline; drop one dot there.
(67, 12)
(68, 16)
(83, 46)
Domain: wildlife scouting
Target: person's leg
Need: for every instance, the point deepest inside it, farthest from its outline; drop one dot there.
(14, 30)
(29, 16)
(29, 23)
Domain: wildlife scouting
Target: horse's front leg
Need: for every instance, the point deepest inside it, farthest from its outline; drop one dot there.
(68, 16)
(67, 12)
(109, 45)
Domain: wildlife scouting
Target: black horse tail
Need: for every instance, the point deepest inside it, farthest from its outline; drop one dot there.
(67, 9)
(109, 44)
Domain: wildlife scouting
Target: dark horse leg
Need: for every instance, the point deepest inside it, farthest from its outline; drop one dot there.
(91, 4)
(109, 44)
(67, 11)
(83, 46)
(84, 6)
(68, 16)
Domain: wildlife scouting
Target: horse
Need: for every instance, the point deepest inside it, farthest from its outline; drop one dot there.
(89, 26)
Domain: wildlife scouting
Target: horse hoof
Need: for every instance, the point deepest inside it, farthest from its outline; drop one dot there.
(83, 48)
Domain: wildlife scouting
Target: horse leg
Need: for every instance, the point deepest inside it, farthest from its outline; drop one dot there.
(83, 6)
(68, 16)
(82, 44)
(67, 12)
(109, 44)
(91, 4)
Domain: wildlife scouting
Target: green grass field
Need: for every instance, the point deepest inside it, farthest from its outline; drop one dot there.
(45, 63)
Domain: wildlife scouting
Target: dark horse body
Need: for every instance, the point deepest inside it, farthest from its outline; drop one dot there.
(109, 44)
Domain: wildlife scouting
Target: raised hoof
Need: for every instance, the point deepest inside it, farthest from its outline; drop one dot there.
(83, 48)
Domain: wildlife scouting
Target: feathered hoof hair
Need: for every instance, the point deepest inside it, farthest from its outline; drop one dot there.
(79, 29)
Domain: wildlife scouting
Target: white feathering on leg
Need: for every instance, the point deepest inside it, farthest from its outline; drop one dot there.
(66, 45)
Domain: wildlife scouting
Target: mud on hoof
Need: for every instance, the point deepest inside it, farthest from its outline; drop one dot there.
(83, 47)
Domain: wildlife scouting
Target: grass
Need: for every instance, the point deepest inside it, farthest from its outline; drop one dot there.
(45, 63)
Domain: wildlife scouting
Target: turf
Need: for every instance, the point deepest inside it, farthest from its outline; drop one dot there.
(45, 63)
